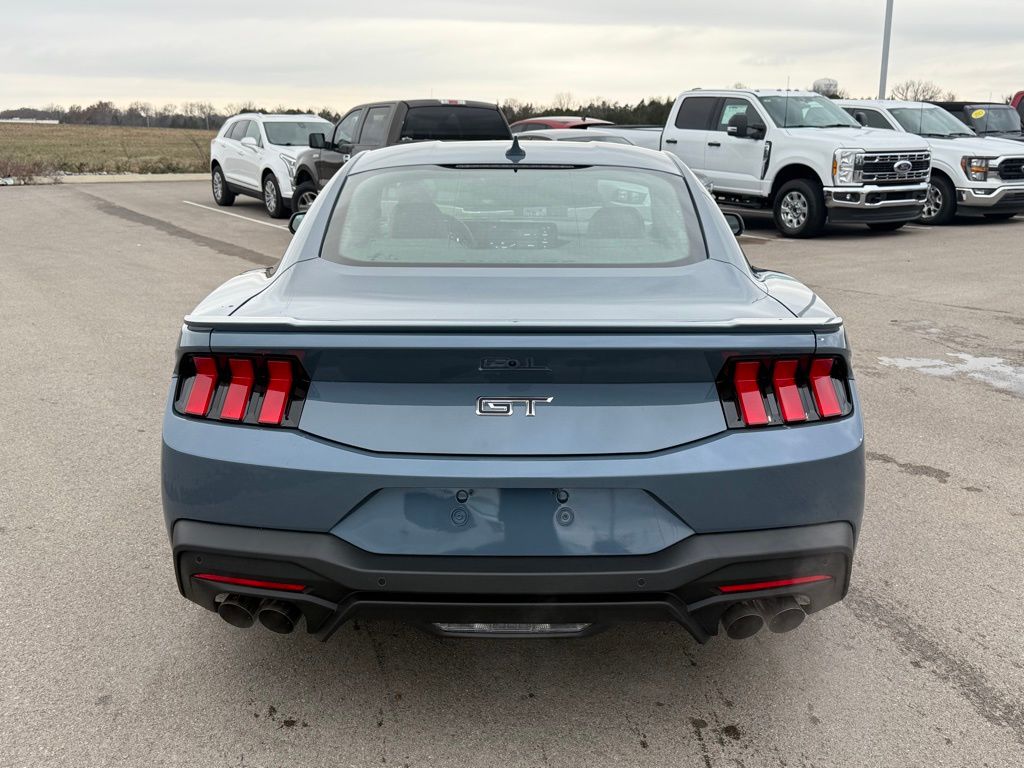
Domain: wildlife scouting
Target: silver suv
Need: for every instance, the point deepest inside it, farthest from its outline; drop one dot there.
(254, 155)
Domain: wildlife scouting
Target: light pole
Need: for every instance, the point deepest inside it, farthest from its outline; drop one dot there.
(885, 49)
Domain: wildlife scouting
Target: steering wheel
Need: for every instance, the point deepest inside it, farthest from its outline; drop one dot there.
(460, 232)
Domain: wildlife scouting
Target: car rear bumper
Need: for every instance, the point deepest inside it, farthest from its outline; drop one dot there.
(681, 583)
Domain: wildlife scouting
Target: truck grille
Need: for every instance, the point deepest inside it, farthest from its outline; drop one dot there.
(1012, 169)
(878, 167)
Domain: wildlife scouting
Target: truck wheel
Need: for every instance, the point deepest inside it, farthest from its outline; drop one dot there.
(304, 196)
(272, 198)
(221, 194)
(999, 216)
(940, 204)
(885, 226)
(800, 208)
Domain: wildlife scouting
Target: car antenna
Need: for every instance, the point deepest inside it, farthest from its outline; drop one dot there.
(515, 153)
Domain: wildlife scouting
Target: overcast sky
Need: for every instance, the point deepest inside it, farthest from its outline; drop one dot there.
(338, 53)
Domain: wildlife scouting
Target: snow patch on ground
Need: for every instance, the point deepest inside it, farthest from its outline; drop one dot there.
(990, 370)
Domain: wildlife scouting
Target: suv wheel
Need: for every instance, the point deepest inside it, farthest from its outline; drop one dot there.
(272, 198)
(221, 194)
(304, 196)
(800, 208)
(940, 204)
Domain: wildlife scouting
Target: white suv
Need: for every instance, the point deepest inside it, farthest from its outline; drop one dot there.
(254, 155)
(970, 173)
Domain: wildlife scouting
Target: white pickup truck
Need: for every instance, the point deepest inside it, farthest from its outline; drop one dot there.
(796, 153)
(970, 173)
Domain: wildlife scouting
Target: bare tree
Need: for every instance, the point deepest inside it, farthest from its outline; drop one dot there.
(563, 101)
(916, 90)
(206, 111)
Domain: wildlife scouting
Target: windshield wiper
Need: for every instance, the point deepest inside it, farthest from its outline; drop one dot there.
(835, 125)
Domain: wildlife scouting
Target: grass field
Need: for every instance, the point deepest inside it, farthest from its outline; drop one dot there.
(46, 150)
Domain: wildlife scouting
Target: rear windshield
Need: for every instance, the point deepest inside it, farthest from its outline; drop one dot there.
(451, 123)
(294, 134)
(994, 119)
(554, 216)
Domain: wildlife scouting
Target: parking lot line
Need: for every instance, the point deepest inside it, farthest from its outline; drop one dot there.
(236, 215)
(759, 237)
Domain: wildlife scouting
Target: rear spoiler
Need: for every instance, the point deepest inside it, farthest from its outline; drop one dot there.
(746, 325)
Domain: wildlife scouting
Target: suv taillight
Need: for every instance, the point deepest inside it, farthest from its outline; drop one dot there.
(765, 392)
(268, 390)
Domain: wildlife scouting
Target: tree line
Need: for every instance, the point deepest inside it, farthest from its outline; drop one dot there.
(190, 114)
(203, 114)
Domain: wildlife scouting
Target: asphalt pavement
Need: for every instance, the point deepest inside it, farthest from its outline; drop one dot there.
(104, 663)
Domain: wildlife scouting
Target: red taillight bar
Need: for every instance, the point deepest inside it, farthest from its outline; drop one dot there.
(756, 585)
(237, 398)
(823, 388)
(258, 583)
(278, 388)
(748, 393)
(786, 391)
(203, 386)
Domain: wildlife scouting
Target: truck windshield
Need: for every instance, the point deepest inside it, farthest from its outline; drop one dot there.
(994, 118)
(502, 217)
(929, 121)
(294, 134)
(803, 111)
(454, 123)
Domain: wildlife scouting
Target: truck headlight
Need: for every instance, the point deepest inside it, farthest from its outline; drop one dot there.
(289, 161)
(975, 168)
(845, 164)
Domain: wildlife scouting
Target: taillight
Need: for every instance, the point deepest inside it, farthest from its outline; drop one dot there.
(784, 390)
(249, 389)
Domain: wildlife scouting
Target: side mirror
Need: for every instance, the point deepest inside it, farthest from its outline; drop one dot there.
(738, 125)
(317, 140)
(295, 220)
(249, 141)
(735, 222)
(757, 132)
(860, 117)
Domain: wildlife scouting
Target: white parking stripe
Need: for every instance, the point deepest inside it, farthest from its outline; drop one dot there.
(236, 215)
(758, 237)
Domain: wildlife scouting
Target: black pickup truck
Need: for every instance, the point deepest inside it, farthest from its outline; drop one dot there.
(383, 123)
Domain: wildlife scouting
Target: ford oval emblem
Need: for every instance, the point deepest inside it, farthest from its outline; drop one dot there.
(903, 166)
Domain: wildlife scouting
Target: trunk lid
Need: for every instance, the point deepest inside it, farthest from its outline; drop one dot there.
(513, 362)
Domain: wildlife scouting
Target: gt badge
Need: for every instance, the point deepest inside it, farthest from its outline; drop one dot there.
(506, 406)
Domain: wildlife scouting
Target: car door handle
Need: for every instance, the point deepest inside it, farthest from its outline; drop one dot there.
(671, 141)
(714, 143)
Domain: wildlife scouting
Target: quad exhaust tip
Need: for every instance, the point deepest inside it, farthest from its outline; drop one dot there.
(779, 614)
(239, 610)
(276, 615)
(279, 616)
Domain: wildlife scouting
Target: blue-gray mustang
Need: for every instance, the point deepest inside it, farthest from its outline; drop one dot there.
(502, 391)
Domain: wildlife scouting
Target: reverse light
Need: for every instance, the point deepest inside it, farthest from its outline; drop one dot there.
(252, 389)
(773, 584)
(243, 582)
(975, 168)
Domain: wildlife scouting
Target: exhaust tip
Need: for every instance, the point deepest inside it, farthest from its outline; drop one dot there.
(279, 616)
(781, 614)
(238, 610)
(742, 620)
